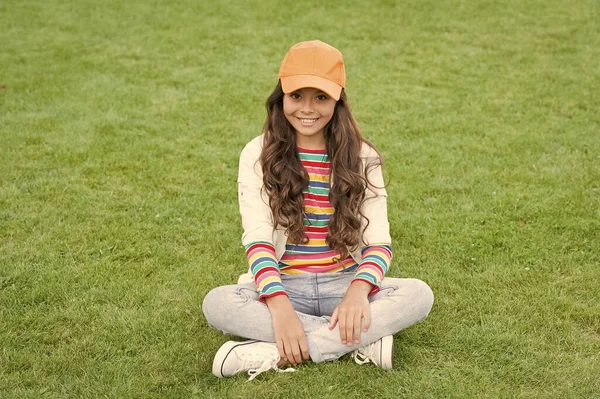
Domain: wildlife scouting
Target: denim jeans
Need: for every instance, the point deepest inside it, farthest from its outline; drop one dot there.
(235, 309)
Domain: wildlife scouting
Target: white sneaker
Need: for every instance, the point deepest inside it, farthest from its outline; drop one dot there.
(251, 356)
(381, 353)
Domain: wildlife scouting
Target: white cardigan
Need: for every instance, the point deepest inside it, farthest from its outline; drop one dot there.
(257, 218)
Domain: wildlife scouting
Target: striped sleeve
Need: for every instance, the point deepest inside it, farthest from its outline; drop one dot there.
(265, 269)
(374, 264)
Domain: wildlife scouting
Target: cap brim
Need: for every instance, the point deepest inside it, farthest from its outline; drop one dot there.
(296, 82)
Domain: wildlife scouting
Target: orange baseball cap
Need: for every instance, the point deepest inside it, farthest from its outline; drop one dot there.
(313, 64)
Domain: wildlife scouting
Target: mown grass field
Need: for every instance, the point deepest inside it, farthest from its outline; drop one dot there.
(121, 123)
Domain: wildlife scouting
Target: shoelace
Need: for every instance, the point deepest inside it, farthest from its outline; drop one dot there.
(251, 359)
(361, 358)
(268, 365)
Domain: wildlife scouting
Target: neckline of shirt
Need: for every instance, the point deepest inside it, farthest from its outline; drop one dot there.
(323, 151)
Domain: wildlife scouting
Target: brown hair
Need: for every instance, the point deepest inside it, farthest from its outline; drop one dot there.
(285, 178)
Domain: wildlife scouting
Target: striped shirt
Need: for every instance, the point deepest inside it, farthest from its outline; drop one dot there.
(315, 256)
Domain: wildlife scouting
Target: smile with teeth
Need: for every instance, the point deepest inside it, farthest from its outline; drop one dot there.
(308, 121)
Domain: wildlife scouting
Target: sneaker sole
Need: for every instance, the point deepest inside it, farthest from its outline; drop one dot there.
(386, 352)
(221, 355)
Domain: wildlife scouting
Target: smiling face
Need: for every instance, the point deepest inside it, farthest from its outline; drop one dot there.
(309, 110)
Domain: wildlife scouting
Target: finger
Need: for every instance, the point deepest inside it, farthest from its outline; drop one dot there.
(367, 320)
(342, 327)
(288, 353)
(356, 331)
(334, 319)
(304, 349)
(349, 328)
(281, 351)
(296, 352)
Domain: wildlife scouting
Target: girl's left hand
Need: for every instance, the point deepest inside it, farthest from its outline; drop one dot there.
(351, 310)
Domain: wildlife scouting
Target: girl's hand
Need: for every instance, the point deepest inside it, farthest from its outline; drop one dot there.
(289, 331)
(351, 310)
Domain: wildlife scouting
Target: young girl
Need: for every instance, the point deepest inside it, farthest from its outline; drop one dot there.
(313, 206)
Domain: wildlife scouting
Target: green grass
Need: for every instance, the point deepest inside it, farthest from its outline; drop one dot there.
(121, 124)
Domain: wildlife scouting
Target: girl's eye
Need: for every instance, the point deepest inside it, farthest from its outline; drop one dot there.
(295, 96)
(321, 97)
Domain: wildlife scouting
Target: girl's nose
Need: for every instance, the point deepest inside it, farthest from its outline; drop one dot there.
(307, 107)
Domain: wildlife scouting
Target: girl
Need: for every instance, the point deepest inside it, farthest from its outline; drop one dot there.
(316, 234)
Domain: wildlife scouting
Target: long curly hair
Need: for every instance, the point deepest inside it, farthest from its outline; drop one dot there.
(285, 178)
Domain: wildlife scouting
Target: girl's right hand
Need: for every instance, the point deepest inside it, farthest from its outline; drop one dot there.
(289, 331)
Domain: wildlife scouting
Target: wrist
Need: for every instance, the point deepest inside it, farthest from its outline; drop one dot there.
(361, 287)
(278, 303)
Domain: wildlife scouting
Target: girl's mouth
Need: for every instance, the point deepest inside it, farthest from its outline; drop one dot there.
(308, 121)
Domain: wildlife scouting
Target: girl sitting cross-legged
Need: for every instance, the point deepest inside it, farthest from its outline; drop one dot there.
(313, 205)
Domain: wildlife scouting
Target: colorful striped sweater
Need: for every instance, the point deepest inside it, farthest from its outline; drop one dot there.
(315, 256)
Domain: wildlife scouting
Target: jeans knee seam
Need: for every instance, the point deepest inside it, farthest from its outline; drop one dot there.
(239, 293)
(300, 315)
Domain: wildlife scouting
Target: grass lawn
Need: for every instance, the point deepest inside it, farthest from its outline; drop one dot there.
(121, 124)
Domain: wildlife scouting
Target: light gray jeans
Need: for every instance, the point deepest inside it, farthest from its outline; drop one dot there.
(235, 309)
